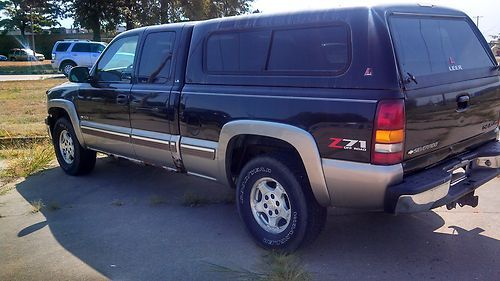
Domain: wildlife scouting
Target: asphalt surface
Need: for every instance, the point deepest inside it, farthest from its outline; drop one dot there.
(128, 222)
(29, 77)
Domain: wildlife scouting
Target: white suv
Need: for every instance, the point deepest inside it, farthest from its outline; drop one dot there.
(70, 53)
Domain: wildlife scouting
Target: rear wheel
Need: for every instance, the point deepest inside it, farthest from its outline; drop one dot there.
(66, 67)
(276, 204)
(72, 157)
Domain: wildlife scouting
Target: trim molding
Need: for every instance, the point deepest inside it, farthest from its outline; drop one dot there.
(300, 139)
(69, 107)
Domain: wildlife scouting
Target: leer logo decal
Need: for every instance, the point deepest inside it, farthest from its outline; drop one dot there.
(347, 144)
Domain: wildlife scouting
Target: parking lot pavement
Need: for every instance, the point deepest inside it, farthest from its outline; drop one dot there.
(29, 77)
(127, 222)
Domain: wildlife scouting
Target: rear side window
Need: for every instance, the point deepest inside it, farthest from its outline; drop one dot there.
(156, 58)
(427, 46)
(310, 49)
(237, 51)
(81, 48)
(300, 51)
(62, 47)
(96, 48)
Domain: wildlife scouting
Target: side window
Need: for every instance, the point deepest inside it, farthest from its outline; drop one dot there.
(96, 48)
(310, 49)
(237, 51)
(156, 58)
(81, 48)
(62, 47)
(116, 64)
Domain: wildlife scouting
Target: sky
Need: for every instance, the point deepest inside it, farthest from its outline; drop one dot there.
(488, 10)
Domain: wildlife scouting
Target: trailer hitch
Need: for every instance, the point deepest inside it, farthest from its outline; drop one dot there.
(467, 200)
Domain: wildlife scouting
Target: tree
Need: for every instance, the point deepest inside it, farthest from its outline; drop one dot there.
(207, 9)
(96, 15)
(24, 14)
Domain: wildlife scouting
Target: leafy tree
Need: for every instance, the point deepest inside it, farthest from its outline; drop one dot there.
(207, 9)
(21, 14)
(96, 15)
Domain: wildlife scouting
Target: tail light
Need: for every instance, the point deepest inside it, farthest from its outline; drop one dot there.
(53, 56)
(389, 133)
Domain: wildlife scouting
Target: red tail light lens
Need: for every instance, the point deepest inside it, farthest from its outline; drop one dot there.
(388, 133)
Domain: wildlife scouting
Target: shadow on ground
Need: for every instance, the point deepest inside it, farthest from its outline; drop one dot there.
(129, 223)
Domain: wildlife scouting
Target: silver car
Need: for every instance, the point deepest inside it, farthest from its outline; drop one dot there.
(70, 53)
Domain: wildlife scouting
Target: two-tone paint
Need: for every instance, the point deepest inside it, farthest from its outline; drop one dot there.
(187, 123)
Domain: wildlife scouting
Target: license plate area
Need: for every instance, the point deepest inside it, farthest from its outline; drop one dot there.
(460, 173)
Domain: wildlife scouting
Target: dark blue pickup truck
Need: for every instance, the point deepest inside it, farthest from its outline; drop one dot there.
(391, 108)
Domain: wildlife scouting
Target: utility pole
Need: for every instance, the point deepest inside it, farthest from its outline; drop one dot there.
(32, 30)
(477, 20)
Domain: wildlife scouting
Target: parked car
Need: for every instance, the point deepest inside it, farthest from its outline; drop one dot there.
(298, 111)
(70, 53)
(25, 55)
(3, 58)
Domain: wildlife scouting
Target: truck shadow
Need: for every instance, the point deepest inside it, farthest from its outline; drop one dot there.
(131, 222)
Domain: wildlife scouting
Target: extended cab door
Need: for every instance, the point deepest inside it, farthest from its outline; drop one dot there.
(150, 114)
(103, 104)
(452, 86)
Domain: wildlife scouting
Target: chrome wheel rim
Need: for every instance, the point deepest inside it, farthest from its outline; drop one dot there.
(66, 147)
(67, 69)
(270, 205)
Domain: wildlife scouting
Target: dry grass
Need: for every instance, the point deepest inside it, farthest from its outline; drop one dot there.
(23, 107)
(157, 200)
(23, 63)
(26, 160)
(36, 206)
(26, 67)
(279, 267)
(117, 203)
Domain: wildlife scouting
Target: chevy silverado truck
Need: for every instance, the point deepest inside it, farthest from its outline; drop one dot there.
(391, 108)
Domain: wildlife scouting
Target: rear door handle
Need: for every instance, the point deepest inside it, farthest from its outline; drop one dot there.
(463, 103)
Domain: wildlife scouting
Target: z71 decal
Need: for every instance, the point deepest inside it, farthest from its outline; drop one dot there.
(347, 144)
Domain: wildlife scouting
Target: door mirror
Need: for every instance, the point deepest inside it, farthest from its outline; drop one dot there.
(79, 74)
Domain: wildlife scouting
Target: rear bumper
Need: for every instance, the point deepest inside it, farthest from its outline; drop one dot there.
(438, 186)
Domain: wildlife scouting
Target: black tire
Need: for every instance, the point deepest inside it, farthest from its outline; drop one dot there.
(64, 67)
(83, 159)
(307, 216)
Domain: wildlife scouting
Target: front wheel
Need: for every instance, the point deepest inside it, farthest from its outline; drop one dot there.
(72, 157)
(276, 204)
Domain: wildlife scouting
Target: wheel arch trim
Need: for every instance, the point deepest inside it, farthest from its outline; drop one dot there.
(70, 109)
(298, 138)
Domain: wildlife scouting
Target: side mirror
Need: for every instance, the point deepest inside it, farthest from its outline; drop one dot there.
(79, 74)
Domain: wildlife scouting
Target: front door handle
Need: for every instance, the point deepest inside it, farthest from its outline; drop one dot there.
(122, 99)
(463, 103)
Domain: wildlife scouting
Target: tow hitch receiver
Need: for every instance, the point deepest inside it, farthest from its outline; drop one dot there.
(468, 200)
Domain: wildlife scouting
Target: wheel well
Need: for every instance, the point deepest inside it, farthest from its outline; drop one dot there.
(243, 148)
(64, 62)
(54, 114)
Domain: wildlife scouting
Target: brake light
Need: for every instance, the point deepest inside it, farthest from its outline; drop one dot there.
(389, 133)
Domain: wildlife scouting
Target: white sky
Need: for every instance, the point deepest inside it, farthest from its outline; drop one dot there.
(489, 24)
